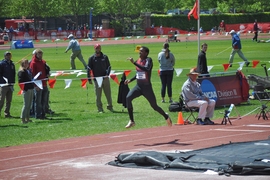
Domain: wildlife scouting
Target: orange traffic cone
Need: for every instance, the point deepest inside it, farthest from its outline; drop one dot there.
(180, 120)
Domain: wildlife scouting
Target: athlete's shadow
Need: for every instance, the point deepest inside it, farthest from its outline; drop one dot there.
(173, 142)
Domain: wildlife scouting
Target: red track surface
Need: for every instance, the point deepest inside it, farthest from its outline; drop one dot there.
(86, 157)
(132, 40)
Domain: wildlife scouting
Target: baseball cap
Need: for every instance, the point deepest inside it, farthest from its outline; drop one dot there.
(70, 36)
(6, 53)
(97, 46)
(232, 31)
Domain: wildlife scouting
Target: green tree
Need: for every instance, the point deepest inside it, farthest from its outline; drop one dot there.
(236, 6)
(35, 9)
(122, 12)
(78, 7)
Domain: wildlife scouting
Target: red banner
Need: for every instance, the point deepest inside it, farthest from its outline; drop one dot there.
(244, 27)
(225, 90)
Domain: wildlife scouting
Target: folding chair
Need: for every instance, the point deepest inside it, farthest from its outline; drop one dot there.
(263, 96)
(191, 111)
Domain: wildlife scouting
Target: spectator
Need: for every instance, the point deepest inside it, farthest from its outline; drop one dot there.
(194, 97)
(73, 27)
(236, 45)
(7, 80)
(76, 52)
(213, 30)
(10, 33)
(255, 30)
(38, 66)
(143, 87)
(47, 106)
(68, 27)
(201, 30)
(100, 66)
(221, 27)
(175, 35)
(166, 66)
(24, 75)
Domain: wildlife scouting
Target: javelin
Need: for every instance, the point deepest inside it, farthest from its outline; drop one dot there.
(223, 50)
(23, 58)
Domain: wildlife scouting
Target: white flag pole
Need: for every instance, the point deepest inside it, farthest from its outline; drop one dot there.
(198, 24)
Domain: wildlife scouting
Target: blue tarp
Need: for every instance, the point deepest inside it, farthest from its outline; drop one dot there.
(246, 158)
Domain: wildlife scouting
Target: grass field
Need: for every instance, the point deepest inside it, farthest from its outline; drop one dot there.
(76, 113)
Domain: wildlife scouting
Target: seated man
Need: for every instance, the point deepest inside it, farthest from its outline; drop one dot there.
(194, 97)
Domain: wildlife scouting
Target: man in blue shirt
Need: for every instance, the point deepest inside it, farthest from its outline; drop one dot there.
(236, 45)
(76, 52)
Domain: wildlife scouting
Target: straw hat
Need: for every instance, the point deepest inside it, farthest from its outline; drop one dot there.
(193, 72)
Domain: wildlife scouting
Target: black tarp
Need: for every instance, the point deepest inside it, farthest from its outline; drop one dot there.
(245, 158)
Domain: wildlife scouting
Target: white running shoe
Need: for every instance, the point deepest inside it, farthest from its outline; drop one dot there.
(130, 124)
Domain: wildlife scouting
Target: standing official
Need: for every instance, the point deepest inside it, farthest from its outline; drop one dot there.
(236, 48)
(100, 67)
(7, 80)
(76, 52)
(202, 62)
(255, 30)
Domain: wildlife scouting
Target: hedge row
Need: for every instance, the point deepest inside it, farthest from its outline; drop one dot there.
(207, 21)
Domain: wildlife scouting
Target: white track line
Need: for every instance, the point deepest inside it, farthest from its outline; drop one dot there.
(258, 125)
(238, 130)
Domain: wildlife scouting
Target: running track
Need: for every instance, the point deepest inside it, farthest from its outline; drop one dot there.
(86, 157)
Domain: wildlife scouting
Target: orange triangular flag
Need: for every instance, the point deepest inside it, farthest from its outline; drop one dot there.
(84, 81)
(21, 86)
(114, 77)
(20, 92)
(109, 38)
(65, 39)
(255, 63)
(37, 40)
(144, 37)
(158, 36)
(52, 40)
(127, 72)
(80, 40)
(158, 72)
(51, 83)
(226, 66)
